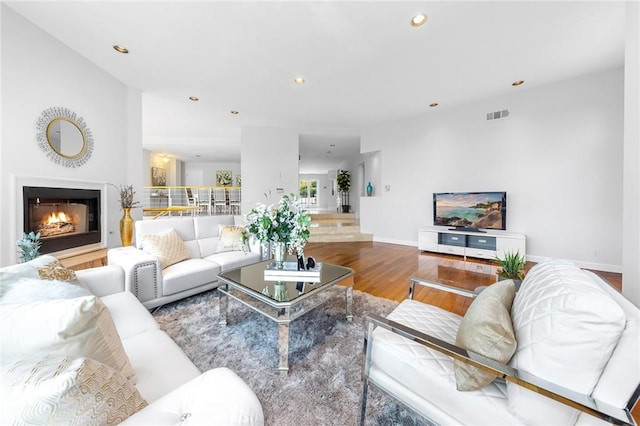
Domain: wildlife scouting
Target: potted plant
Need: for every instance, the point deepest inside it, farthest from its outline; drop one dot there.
(28, 246)
(284, 225)
(511, 267)
(344, 184)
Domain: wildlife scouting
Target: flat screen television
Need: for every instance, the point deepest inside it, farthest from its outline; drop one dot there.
(470, 210)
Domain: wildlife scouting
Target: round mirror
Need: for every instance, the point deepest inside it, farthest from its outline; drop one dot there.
(64, 137)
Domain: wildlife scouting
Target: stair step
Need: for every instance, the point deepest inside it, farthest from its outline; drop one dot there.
(326, 216)
(341, 229)
(334, 238)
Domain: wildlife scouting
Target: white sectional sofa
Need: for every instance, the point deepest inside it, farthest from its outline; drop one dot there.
(174, 389)
(154, 285)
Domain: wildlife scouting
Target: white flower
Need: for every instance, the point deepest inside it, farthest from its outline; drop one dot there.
(285, 222)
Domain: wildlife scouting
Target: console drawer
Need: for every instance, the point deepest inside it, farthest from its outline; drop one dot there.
(452, 239)
(481, 242)
(451, 249)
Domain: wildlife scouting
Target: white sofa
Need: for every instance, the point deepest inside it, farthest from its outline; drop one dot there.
(573, 339)
(169, 382)
(155, 286)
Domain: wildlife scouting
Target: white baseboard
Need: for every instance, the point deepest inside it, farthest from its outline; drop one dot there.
(605, 267)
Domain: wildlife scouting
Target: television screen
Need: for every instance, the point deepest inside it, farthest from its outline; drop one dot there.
(486, 210)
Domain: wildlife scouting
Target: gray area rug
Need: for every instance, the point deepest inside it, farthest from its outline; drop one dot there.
(325, 358)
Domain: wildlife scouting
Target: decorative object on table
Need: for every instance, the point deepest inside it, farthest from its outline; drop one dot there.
(64, 137)
(158, 176)
(223, 178)
(238, 180)
(290, 272)
(511, 267)
(280, 291)
(285, 222)
(344, 184)
(28, 246)
(126, 222)
(369, 189)
(279, 253)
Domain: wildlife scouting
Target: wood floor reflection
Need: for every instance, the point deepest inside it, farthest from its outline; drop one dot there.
(384, 270)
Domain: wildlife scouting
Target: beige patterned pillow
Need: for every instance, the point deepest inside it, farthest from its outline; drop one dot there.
(64, 390)
(80, 327)
(168, 246)
(231, 238)
(56, 271)
(486, 329)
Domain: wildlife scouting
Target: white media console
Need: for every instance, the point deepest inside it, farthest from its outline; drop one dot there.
(484, 245)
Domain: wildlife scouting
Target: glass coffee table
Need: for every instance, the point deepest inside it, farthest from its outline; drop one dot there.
(282, 301)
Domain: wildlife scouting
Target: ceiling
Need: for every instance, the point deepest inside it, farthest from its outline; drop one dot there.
(363, 63)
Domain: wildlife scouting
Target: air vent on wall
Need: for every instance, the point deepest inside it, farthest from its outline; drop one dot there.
(497, 114)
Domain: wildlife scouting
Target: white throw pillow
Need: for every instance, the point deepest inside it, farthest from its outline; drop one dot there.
(230, 238)
(168, 246)
(80, 327)
(486, 330)
(27, 290)
(64, 390)
(566, 327)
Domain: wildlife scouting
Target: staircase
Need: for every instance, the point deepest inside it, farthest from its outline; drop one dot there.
(336, 227)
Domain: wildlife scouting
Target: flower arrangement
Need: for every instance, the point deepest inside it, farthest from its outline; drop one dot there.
(126, 197)
(28, 246)
(286, 222)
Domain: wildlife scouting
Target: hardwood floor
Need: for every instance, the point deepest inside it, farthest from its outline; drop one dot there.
(384, 270)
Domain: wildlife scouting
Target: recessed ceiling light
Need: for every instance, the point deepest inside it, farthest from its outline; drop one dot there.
(197, 155)
(299, 80)
(234, 112)
(517, 83)
(435, 104)
(120, 49)
(419, 20)
(194, 98)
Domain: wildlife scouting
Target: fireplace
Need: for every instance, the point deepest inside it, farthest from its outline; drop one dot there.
(64, 217)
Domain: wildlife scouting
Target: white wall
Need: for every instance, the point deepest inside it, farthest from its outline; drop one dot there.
(558, 155)
(38, 72)
(269, 165)
(204, 173)
(631, 190)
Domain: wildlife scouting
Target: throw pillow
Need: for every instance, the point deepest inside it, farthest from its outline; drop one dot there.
(64, 390)
(231, 238)
(26, 290)
(486, 329)
(80, 327)
(56, 271)
(167, 246)
(567, 326)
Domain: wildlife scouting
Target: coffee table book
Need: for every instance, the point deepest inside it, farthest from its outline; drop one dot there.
(290, 272)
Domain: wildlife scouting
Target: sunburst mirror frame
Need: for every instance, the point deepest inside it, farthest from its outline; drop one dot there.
(50, 115)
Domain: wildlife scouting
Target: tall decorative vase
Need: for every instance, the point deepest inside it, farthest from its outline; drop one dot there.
(126, 227)
(369, 190)
(279, 253)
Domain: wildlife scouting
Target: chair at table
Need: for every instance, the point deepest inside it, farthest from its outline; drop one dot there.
(204, 199)
(192, 199)
(219, 201)
(234, 200)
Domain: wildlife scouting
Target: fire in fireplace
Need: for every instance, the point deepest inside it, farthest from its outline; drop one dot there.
(64, 217)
